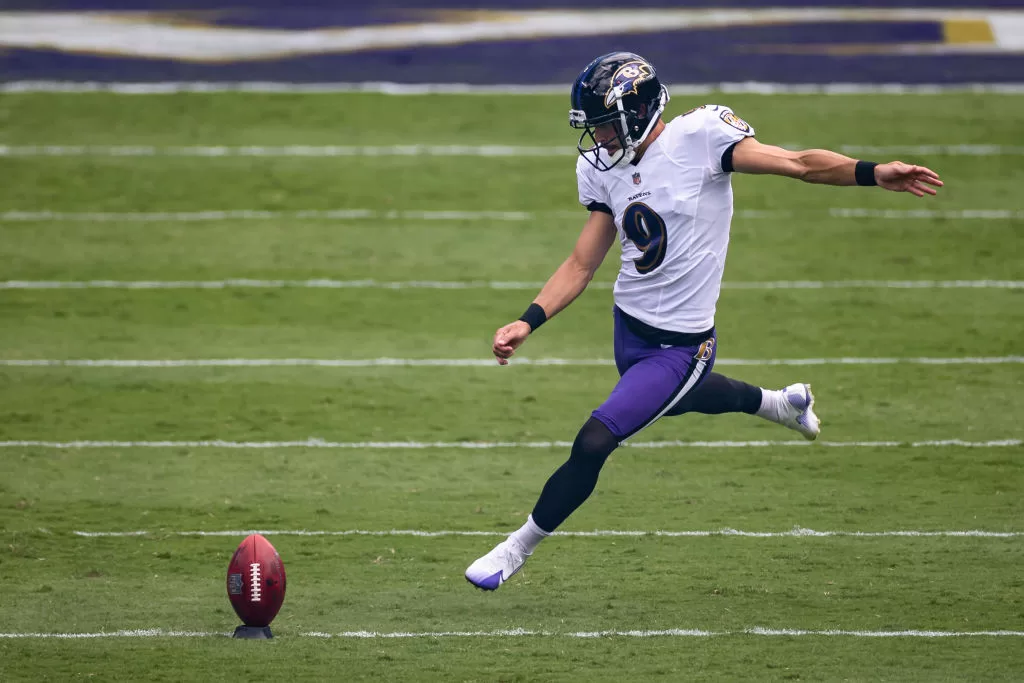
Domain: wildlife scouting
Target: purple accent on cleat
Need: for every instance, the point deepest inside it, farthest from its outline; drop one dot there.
(799, 401)
(489, 583)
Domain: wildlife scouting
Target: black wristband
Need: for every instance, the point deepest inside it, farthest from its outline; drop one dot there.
(865, 173)
(534, 316)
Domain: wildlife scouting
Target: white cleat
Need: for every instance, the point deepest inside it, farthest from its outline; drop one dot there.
(497, 566)
(798, 410)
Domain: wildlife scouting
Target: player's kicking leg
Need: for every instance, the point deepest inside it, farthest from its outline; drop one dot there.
(791, 407)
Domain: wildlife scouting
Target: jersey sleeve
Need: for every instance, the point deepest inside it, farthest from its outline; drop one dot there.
(591, 194)
(724, 129)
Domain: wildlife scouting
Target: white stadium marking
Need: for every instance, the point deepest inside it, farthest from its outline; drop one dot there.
(284, 151)
(672, 633)
(326, 283)
(877, 284)
(251, 215)
(155, 36)
(487, 445)
(759, 631)
(990, 150)
(519, 632)
(453, 215)
(402, 89)
(126, 633)
(470, 362)
(328, 151)
(962, 214)
(794, 533)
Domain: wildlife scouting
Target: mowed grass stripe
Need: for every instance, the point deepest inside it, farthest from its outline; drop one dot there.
(419, 660)
(770, 250)
(888, 403)
(421, 587)
(163, 490)
(254, 119)
(247, 323)
(188, 186)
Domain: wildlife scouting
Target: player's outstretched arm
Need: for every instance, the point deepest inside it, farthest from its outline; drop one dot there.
(832, 168)
(568, 282)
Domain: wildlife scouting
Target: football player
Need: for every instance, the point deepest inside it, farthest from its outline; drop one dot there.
(664, 190)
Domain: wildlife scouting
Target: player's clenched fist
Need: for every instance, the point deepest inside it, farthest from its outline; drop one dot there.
(508, 338)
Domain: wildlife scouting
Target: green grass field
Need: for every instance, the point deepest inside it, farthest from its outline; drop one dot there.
(55, 581)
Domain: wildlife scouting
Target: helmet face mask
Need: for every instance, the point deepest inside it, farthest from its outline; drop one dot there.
(620, 89)
(602, 155)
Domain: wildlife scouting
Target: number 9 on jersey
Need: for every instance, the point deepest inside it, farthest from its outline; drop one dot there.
(646, 229)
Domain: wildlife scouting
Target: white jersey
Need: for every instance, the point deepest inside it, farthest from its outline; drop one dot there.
(672, 211)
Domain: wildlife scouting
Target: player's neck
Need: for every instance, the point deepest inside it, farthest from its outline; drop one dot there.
(658, 127)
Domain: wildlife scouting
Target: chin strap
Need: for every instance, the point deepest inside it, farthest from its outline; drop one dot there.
(626, 155)
(631, 145)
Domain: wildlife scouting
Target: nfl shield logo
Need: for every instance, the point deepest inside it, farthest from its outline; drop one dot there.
(636, 178)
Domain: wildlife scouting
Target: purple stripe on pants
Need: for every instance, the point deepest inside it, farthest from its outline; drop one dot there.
(652, 379)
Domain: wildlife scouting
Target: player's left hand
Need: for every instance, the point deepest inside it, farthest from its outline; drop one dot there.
(900, 177)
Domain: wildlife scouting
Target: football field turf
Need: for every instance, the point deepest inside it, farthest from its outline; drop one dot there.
(907, 324)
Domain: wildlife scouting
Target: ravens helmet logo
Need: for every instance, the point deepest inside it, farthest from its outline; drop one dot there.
(626, 79)
(621, 90)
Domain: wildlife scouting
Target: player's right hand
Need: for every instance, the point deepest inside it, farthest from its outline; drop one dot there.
(507, 339)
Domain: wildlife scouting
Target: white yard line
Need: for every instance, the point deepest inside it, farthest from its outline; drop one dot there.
(961, 214)
(285, 151)
(472, 362)
(793, 533)
(518, 633)
(487, 445)
(453, 215)
(431, 150)
(674, 633)
(388, 88)
(972, 150)
(257, 215)
(125, 633)
(242, 283)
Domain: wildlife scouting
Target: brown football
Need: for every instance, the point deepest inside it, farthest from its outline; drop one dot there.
(256, 581)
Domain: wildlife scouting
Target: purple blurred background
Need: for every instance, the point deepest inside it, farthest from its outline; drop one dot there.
(930, 46)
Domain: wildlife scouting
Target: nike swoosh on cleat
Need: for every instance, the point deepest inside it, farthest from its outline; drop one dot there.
(488, 584)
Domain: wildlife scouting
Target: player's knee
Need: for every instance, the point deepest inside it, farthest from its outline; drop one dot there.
(594, 443)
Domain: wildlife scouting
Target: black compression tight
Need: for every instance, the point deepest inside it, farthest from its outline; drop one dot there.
(719, 394)
(574, 481)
